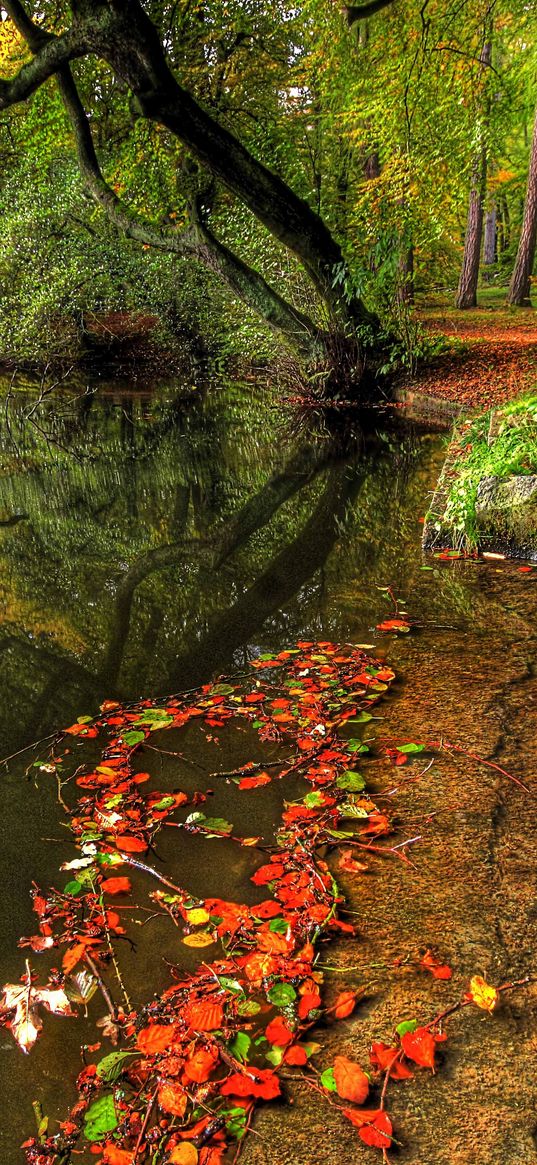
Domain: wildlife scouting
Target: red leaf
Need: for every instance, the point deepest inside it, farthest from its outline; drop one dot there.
(254, 782)
(131, 844)
(419, 1046)
(267, 873)
(116, 885)
(278, 1032)
(296, 1056)
(259, 1082)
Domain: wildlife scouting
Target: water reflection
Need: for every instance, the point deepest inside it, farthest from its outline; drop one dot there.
(148, 538)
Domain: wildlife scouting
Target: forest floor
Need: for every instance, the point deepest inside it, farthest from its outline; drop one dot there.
(491, 357)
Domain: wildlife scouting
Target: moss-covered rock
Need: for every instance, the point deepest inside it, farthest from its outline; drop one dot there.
(486, 498)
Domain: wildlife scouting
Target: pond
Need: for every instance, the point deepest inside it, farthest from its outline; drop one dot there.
(154, 537)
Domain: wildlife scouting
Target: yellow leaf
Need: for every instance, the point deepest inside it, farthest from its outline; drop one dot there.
(198, 915)
(199, 940)
(482, 994)
(185, 1154)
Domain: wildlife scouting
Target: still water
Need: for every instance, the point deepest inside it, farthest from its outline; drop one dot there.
(151, 539)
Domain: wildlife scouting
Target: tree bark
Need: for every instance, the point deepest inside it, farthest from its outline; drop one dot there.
(467, 290)
(519, 289)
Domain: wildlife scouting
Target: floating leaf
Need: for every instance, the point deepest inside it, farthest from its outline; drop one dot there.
(199, 939)
(100, 1118)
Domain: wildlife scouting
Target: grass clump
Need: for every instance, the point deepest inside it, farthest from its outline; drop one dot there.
(500, 443)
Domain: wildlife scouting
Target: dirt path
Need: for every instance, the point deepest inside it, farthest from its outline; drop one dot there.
(497, 359)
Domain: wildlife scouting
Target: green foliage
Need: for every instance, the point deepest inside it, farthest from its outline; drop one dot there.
(510, 449)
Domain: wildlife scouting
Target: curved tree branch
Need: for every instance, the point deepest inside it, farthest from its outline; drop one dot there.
(198, 242)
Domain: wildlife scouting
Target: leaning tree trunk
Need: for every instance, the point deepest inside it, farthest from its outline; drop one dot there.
(467, 289)
(519, 289)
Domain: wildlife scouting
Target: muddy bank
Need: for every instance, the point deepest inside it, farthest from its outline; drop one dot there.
(471, 896)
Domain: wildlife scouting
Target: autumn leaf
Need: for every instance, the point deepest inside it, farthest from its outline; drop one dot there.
(172, 1098)
(278, 1032)
(439, 970)
(116, 885)
(260, 1083)
(389, 1058)
(351, 1081)
(482, 994)
(374, 1126)
(344, 1004)
(394, 625)
(24, 1000)
(204, 1016)
(156, 1038)
(114, 1156)
(419, 1046)
(185, 1154)
(200, 1065)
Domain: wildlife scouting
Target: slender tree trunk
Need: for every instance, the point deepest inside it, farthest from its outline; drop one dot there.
(489, 245)
(405, 284)
(519, 289)
(467, 290)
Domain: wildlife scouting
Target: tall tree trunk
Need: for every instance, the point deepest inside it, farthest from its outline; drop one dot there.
(467, 289)
(489, 245)
(519, 289)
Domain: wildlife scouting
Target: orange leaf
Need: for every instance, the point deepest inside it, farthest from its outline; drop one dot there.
(296, 1056)
(156, 1038)
(204, 1016)
(131, 844)
(345, 1004)
(115, 1156)
(351, 1081)
(199, 1066)
(172, 1097)
(185, 1154)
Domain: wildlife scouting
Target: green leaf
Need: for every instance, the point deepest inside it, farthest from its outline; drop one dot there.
(109, 1068)
(164, 803)
(101, 1118)
(410, 747)
(328, 1081)
(312, 800)
(351, 780)
(348, 809)
(133, 736)
(240, 1046)
(275, 1056)
(217, 825)
(248, 1007)
(72, 888)
(408, 1025)
(278, 926)
(230, 984)
(281, 994)
(223, 690)
(361, 718)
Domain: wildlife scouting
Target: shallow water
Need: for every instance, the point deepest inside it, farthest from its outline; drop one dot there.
(152, 539)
